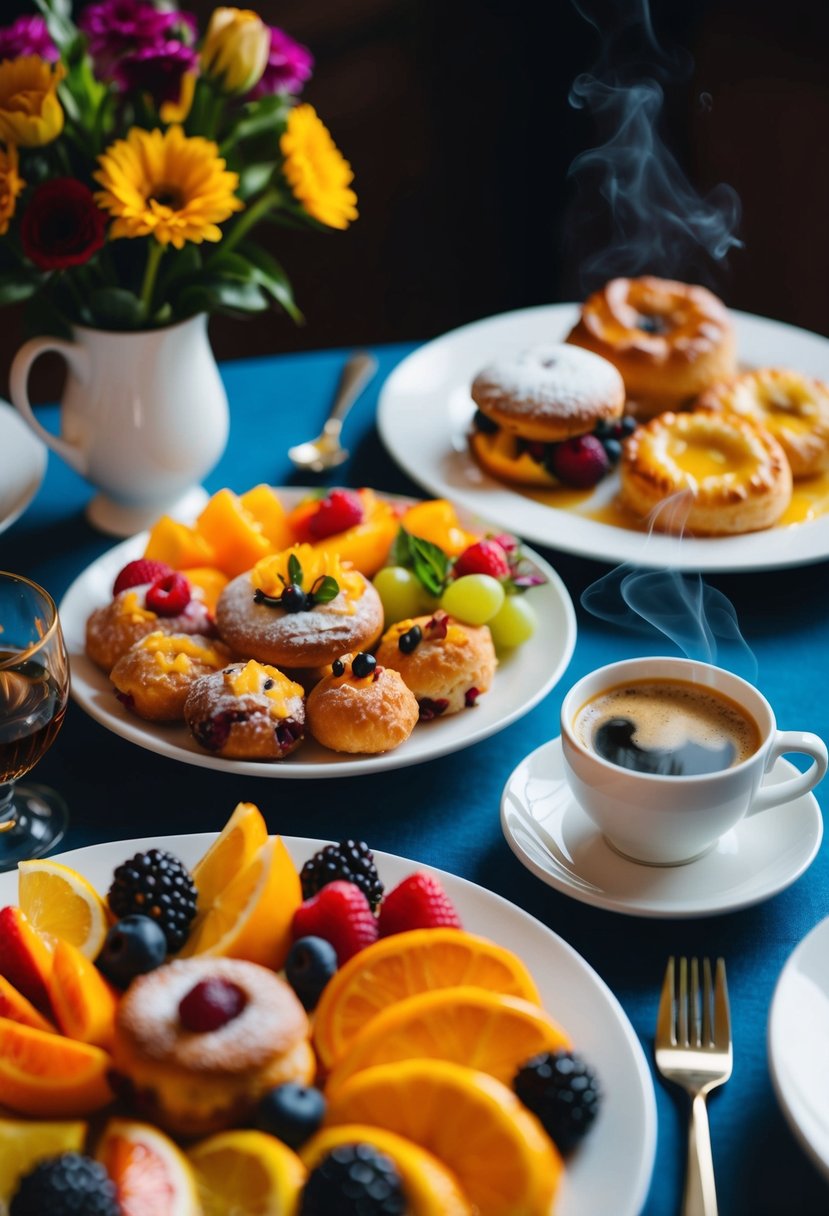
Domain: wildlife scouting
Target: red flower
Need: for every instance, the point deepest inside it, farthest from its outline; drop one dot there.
(62, 225)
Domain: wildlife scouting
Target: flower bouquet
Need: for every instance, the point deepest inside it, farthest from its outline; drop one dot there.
(138, 154)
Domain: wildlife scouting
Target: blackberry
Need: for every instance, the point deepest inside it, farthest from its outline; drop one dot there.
(350, 861)
(354, 1180)
(561, 1089)
(67, 1185)
(158, 885)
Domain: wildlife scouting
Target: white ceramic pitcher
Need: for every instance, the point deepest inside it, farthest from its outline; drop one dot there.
(144, 416)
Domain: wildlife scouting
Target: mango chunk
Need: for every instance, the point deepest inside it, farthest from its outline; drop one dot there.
(179, 545)
(263, 504)
(437, 521)
(235, 536)
(211, 581)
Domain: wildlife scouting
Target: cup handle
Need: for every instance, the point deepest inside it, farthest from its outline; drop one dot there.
(786, 791)
(77, 359)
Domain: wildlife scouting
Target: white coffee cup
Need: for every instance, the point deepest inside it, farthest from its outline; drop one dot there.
(664, 819)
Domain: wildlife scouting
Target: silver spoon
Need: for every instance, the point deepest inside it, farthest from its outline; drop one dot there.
(326, 451)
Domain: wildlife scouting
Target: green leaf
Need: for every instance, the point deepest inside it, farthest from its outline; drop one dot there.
(254, 178)
(294, 570)
(221, 294)
(325, 589)
(16, 286)
(428, 562)
(116, 308)
(268, 113)
(273, 278)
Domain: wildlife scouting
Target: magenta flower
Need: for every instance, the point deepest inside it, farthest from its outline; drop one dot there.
(289, 66)
(156, 70)
(27, 36)
(121, 27)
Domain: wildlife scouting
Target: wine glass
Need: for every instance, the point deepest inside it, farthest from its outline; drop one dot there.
(34, 688)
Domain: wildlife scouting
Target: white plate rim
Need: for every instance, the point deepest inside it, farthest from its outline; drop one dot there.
(788, 1097)
(419, 432)
(24, 464)
(550, 955)
(91, 690)
(652, 910)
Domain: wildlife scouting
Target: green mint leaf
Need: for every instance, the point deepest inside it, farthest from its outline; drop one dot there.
(400, 553)
(430, 565)
(294, 570)
(325, 589)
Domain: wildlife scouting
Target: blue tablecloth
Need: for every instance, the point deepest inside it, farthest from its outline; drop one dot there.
(446, 812)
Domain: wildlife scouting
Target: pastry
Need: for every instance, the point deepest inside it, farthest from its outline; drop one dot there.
(299, 609)
(447, 665)
(535, 402)
(246, 711)
(711, 474)
(793, 407)
(155, 675)
(128, 617)
(670, 340)
(360, 706)
(193, 1077)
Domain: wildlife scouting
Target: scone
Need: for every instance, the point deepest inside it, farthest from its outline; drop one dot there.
(155, 675)
(246, 711)
(361, 707)
(447, 665)
(130, 616)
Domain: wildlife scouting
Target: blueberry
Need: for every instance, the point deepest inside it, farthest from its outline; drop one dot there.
(293, 598)
(338, 667)
(308, 968)
(290, 1112)
(363, 664)
(627, 425)
(613, 448)
(134, 945)
(409, 641)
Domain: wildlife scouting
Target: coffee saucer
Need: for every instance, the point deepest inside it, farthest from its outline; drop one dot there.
(549, 832)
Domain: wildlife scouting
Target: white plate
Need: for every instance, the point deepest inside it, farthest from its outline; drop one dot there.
(798, 1043)
(550, 833)
(22, 465)
(611, 1171)
(523, 678)
(424, 414)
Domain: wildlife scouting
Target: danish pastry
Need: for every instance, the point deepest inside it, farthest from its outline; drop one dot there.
(114, 627)
(446, 664)
(155, 675)
(360, 706)
(727, 475)
(246, 711)
(669, 340)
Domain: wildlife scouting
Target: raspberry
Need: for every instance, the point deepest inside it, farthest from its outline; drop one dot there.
(418, 902)
(169, 595)
(580, 462)
(340, 510)
(484, 557)
(211, 1004)
(142, 570)
(340, 914)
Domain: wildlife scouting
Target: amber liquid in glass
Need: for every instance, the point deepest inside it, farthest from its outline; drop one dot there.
(32, 708)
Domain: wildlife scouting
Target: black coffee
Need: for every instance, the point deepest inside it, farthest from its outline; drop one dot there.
(669, 727)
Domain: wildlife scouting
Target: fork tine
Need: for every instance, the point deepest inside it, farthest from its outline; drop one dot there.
(694, 1006)
(682, 1004)
(665, 1025)
(722, 1015)
(707, 1003)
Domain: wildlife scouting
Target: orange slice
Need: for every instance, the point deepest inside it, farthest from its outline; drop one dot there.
(251, 916)
(151, 1174)
(233, 849)
(14, 1005)
(404, 964)
(503, 1159)
(24, 1143)
(83, 1002)
(25, 957)
(61, 903)
(45, 1074)
(247, 1171)
(484, 1030)
(431, 1189)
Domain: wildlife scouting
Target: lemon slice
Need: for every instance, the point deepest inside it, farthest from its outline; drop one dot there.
(23, 1144)
(246, 1173)
(233, 849)
(150, 1172)
(59, 901)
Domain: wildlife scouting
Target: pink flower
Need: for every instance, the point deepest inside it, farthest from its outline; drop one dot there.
(156, 70)
(120, 27)
(27, 36)
(289, 65)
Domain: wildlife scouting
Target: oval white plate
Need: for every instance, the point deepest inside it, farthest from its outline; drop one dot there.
(425, 409)
(521, 681)
(22, 465)
(798, 1043)
(611, 1171)
(550, 833)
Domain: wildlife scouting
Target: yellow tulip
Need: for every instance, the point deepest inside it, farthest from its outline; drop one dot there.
(30, 113)
(11, 183)
(236, 48)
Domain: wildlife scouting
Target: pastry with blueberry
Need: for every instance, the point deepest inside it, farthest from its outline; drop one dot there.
(361, 707)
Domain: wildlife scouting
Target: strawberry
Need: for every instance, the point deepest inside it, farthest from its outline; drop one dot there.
(580, 462)
(341, 509)
(142, 570)
(484, 557)
(418, 902)
(169, 595)
(339, 913)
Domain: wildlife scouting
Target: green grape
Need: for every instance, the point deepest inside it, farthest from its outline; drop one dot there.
(400, 593)
(514, 623)
(474, 598)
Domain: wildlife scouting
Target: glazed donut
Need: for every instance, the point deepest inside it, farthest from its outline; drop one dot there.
(155, 675)
(446, 664)
(246, 711)
(253, 622)
(793, 407)
(196, 1082)
(733, 473)
(113, 628)
(669, 340)
(369, 713)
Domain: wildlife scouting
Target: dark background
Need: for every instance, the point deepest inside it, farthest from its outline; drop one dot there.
(454, 115)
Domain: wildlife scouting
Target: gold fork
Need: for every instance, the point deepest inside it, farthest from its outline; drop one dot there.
(693, 1049)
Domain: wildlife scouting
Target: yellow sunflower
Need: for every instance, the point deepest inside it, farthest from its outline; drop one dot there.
(166, 185)
(11, 183)
(316, 170)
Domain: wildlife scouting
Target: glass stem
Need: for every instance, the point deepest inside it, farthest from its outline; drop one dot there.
(7, 815)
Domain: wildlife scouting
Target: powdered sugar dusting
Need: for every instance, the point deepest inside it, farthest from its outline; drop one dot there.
(559, 380)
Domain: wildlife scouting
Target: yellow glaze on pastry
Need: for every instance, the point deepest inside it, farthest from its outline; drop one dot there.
(455, 635)
(262, 678)
(130, 605)
(174, 653)
(271, 573)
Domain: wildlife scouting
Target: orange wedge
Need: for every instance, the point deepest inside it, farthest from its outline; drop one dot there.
(251, 916)
(151, 1174)
(14, 1005)
(234, 848)
(430, 1188)
(25, 957)
(61, 903)
(83, 1002)
(45, 1074)
(247, 1171)
(484, 1030)
(503, 1159)
(23, 1143)
(407, 963)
